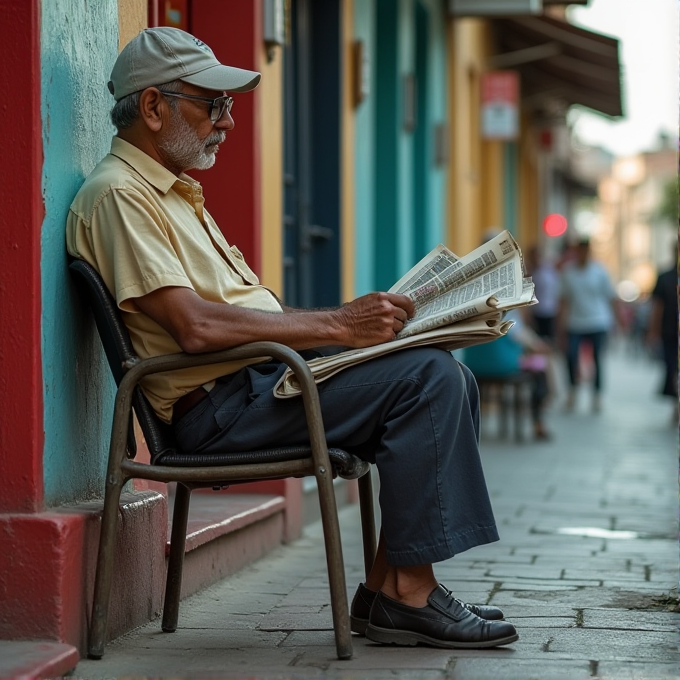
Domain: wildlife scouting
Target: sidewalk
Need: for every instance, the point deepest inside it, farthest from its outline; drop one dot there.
(586, 568)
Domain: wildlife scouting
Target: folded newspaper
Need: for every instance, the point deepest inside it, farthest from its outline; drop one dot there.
(459, 301)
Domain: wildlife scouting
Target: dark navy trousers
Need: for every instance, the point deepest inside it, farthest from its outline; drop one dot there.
(597, 341)
(414, 413)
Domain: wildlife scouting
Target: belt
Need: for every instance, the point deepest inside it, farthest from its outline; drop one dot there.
(186, 402)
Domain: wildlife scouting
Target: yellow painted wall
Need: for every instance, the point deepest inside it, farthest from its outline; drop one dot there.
(475, 196)
(132, 18)
(491, 190)
(347, 157)
(475, 190)
(270, 111)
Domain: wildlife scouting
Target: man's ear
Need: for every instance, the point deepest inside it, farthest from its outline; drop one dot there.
(153, 108)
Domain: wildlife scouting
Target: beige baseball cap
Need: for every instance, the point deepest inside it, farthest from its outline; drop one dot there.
(160, 55)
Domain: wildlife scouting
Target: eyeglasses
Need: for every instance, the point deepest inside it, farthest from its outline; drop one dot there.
(217, 106)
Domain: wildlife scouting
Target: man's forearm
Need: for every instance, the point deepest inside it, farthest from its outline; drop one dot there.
(199, 325)
(302, 310)
(223, 326)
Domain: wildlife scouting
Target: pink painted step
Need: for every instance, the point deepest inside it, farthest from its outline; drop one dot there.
(36, 659)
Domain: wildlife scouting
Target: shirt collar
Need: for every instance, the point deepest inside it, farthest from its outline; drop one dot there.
(152, 171)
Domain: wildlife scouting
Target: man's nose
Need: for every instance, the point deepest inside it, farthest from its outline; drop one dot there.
(226, 122)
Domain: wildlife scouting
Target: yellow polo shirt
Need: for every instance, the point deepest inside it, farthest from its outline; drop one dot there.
(144, 228)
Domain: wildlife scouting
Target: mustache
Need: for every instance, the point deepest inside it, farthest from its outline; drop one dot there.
(216, 138)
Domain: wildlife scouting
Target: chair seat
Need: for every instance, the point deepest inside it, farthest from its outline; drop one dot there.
(344, 464)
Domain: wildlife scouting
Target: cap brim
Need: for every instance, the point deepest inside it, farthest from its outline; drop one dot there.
(227, 78)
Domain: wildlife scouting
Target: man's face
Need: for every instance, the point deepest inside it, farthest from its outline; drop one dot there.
(192, 140)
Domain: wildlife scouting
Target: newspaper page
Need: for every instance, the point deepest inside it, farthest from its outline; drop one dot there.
(454, 336)
(446, 288)
(459, 301)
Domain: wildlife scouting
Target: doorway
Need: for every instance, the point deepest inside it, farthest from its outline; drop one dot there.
(312, 106)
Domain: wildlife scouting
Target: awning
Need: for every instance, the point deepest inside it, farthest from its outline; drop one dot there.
(562, 61)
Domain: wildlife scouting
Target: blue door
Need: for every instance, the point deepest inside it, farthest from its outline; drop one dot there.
(312, 91)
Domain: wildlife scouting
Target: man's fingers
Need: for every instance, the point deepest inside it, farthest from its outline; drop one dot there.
(403, 302)
(400, 314)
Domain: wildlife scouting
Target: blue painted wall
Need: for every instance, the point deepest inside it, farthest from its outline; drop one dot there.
(79, 43)
(437, 107)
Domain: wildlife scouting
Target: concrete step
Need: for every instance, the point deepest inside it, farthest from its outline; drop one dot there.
(225, 533)
(36, 659)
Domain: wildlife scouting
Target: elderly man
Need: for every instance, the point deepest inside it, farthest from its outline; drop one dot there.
(141, 222)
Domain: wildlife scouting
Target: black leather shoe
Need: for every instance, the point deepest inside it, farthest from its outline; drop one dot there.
(443, 622)
(361, 608)
(363, 599)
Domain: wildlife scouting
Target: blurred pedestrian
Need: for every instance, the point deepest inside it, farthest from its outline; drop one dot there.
(588, 311)
(546, 280)
(662, 330)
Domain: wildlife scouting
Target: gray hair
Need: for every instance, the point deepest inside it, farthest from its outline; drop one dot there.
(126, 111)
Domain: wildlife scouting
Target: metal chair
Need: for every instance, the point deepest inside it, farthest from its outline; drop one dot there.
(512, 393)
(169, 465)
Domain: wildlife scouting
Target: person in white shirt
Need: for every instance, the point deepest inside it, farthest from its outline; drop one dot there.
(588, 312)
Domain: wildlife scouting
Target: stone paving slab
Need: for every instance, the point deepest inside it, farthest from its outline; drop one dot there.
(634, 670)
(624, 619)
(483, 669)
(612, 645)
(188, 639)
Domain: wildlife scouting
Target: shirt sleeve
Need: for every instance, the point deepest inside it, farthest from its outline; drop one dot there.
(130, 238)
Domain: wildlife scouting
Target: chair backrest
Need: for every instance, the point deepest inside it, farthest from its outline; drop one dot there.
(118, 349)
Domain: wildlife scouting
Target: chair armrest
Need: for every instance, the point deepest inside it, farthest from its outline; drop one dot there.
(136, 369)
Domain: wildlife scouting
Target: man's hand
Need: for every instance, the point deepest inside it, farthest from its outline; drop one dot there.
(374, 318)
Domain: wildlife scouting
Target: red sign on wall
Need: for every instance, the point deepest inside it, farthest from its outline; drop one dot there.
(500, 105)
(173, 13)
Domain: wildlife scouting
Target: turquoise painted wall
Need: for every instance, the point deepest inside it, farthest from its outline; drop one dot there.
(387, 123)
(406, 65)
(79, 43)
(437, 95)
(393, 229)
(432, 112)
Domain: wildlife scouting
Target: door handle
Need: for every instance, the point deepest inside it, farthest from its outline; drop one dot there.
(315, 231)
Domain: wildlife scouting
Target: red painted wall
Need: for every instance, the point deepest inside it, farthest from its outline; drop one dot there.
(21, 408)
(232, 186)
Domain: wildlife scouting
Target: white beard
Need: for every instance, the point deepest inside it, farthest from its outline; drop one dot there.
(185, 150)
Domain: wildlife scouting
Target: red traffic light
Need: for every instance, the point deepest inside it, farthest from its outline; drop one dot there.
(555, 224)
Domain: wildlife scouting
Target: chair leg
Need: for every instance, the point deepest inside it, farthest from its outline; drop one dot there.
(504, 405)
(104, 574)
(335, 565)
(178, 539)
(367, 521)
(519, 412)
